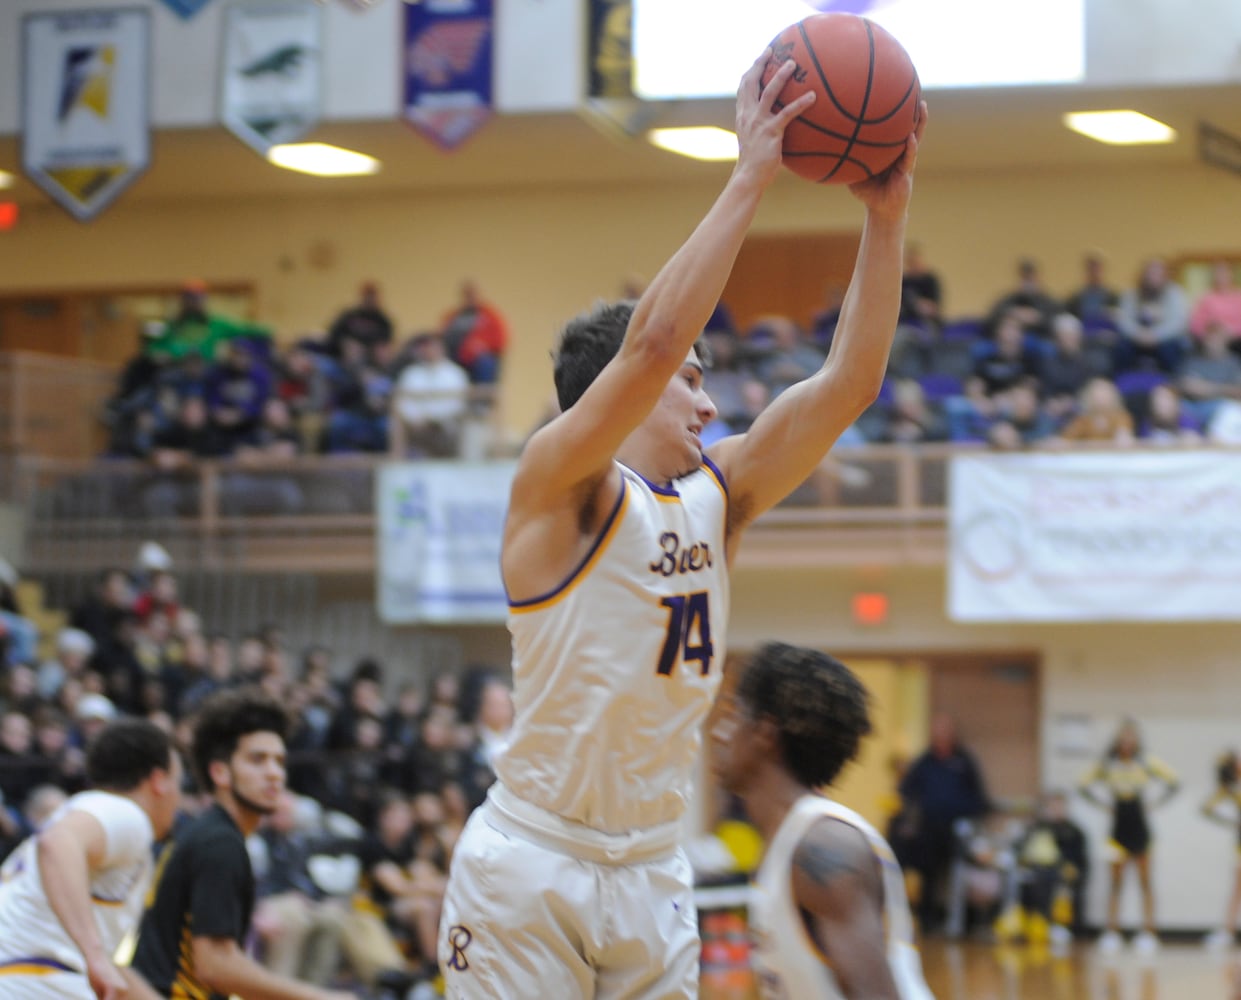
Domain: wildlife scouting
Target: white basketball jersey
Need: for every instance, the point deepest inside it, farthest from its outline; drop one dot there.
(786, 961)
(31, 937)
(616, 669)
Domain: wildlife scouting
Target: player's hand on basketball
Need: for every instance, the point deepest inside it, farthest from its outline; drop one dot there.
(888, 194)
(761, 122)
(106, 979)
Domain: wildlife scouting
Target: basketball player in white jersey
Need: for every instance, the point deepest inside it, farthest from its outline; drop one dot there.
(569, 881)
(829, 916)
(72, 892)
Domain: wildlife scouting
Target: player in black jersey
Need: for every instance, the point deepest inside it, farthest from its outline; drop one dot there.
(200, 905)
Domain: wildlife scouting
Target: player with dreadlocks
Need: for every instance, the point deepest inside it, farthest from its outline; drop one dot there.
(829, 915)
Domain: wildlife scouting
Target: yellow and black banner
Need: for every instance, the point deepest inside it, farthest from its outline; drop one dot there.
(85, 105)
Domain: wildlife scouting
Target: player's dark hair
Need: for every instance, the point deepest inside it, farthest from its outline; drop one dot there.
(228, 716)
(588, 342)
(1226, 770)
(817, 704)
(124, 753)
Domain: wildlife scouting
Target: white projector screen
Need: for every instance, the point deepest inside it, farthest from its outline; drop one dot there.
(700, 48)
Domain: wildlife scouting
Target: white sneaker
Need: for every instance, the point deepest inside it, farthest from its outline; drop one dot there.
(1220, 940)
(1146, 943)
(1110, 943)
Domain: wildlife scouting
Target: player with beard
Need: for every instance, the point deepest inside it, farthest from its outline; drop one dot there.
(198, 912)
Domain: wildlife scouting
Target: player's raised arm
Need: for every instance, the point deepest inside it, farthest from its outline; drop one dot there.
(792, 436)
(579, 445)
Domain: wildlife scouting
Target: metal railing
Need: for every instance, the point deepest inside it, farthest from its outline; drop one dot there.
(318, 513)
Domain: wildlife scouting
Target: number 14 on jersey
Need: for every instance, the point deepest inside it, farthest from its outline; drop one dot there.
(689, 632)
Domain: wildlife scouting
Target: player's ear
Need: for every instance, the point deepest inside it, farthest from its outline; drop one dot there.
(220, 775)
(767, 732)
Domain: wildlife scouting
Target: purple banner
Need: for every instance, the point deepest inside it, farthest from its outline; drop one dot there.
(447, 68)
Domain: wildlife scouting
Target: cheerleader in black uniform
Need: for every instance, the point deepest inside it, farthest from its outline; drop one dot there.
(1121, 782)
(1225, 807)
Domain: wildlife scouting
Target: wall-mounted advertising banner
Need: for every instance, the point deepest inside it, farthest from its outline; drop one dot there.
(271, 77)
(1098, 537)
(447, 63)
(440, 527)
(187, 8)
(85, 105)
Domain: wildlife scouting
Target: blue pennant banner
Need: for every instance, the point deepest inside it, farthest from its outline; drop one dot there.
(447, 65)
(187, 8)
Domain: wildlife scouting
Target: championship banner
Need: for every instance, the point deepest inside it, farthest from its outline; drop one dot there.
(440, 527)
(447, 65)
(271, 75)
(187, 8)
(1095, 537)
(85, 105)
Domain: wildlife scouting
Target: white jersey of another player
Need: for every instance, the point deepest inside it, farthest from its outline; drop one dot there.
(788, 964)
(33, 943)
(616, 669)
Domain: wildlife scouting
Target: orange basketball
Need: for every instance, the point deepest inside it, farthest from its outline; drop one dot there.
(867, 97)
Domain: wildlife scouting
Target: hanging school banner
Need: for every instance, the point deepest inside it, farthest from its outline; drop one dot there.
(187, 8)
(440, 526)
(447, 64)
(85, 105)
(1095, 537)
(271, 73)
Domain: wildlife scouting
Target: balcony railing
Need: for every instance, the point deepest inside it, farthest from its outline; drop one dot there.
(318, 513)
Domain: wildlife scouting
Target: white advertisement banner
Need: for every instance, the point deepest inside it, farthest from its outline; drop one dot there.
(1151, 536)
(271, 76)
(85, 107)
(440, 527)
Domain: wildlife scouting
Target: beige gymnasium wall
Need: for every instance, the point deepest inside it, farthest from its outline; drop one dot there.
(543, 253)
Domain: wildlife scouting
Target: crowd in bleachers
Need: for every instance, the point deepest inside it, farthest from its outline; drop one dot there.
(1098, 364)
(206, 386)
(383, 773)
(1143, 363)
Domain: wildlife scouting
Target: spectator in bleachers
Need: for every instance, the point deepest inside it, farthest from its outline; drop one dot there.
(784, 356)
(1067, 367)
(430, 399)
(191, 436)
(359, 418)
(998, 367)
(305, 383)
(1153, 321)
(112, 599)
(236, 390)
(160, 595)
(1102, 416)
(274, 438)
(40, 804)
(1094, 303)
(364, 323)
(20, 768)
(366, 936)
(1209, 374)
(726, 374)
(18, 635)
(297, 925)
(1166, 421)
(194, 330)
(921, 292)
(74, 649)
(1029, 303)
(1020, 420)
(1219, 308)
(910, 418)
(476, 336)
(64, 763)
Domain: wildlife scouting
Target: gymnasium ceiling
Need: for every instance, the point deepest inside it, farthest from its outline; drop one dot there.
(971, 130)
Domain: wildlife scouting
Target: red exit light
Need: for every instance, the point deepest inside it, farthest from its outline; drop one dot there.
(8, 215)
